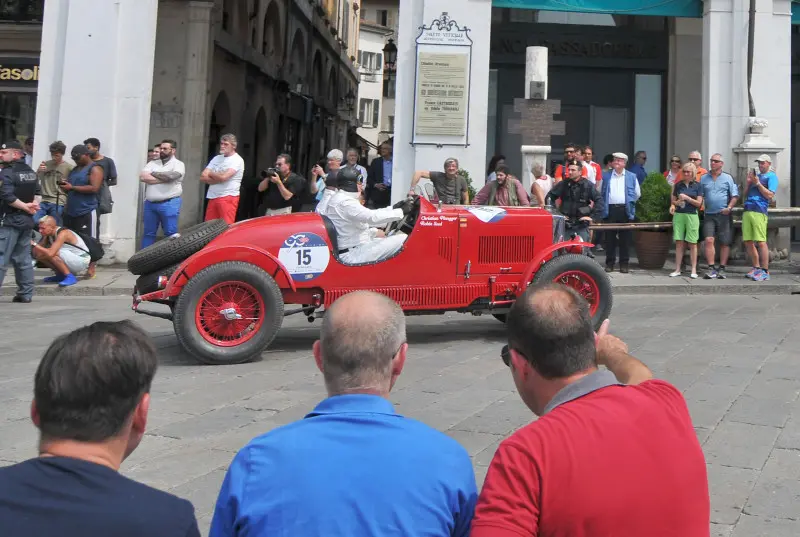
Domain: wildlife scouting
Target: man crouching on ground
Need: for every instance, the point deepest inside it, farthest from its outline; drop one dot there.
(63, 251)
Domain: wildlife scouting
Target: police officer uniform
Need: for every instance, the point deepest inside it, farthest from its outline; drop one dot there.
(19, 182)
(576, 202)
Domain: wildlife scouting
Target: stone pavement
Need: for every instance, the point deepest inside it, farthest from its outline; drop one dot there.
(117, 281)
(734, 357)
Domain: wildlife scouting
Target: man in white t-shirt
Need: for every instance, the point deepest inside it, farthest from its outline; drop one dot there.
(224, 175)
(162, 206)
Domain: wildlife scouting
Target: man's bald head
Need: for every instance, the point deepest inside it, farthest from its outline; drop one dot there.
(362, 333)
(551, 326)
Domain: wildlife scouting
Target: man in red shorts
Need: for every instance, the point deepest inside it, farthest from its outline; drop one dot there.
(224, 177)
(613, 452)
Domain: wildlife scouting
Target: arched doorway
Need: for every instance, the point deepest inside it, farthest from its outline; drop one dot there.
(220, 120)
(272, 45)
(261, 159)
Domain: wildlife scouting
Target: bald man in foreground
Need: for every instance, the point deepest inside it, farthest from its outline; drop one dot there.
(353, 467)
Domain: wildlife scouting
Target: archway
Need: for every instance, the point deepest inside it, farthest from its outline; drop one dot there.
(251, 199)
(272, 41)
(333, 87)
(297, 64)
(316, 69)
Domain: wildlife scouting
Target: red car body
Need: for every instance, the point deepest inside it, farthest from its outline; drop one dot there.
(457, 258)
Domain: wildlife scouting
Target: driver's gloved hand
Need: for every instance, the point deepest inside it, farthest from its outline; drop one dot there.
(399, 204)
(407, 206)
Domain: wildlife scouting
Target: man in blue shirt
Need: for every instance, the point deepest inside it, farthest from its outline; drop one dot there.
(637, 168)
(353, 467)
(720, 194)
(761, 190)
(379, 180)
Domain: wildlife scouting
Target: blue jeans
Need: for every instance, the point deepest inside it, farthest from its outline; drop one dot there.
(165, 214)
(49, 209)
(15, 249)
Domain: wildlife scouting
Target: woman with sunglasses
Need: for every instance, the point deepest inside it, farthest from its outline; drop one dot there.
(687, 197)
(673, 174)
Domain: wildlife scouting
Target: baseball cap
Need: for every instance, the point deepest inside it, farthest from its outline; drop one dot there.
(764, 158)
(78, 151)
(11, 144)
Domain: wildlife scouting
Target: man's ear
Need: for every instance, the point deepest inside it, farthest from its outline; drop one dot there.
(35, 418)
(520, 364)
(317, 350)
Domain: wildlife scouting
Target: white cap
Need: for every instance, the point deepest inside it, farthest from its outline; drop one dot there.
(764, 158)
(623, 156)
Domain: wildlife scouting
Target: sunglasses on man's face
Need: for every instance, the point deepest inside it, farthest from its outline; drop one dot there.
(505, 354)
(715, 160)
(675, 161)
(695, 159)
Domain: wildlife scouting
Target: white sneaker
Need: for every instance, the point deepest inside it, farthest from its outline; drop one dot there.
(675, 274)
(693, 276)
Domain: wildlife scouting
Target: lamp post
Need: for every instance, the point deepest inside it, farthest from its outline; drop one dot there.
(389, 59)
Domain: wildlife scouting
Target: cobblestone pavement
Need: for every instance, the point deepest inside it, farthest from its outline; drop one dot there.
(733, 356)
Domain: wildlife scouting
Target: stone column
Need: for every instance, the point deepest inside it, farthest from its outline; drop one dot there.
(99, 77)
(194, 127)
(477, 16)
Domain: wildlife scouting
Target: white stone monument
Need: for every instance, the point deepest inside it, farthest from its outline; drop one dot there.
(535, 88)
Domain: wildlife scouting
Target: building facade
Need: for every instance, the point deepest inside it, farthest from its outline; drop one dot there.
(277, 73)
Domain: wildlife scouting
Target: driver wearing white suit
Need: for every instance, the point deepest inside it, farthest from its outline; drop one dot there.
(359, 241)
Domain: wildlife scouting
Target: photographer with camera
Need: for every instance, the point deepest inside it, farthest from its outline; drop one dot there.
(283, 187)
(581, 202)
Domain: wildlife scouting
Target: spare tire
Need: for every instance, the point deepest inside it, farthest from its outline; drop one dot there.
(175, 249)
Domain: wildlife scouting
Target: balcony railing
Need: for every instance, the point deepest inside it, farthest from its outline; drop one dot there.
(24, 11)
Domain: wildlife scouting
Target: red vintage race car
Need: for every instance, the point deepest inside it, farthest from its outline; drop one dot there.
(228, 288)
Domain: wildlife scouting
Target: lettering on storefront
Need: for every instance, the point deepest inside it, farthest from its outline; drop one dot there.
(592, 49)
(19, 72)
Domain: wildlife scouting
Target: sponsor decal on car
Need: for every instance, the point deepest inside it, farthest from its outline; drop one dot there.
(488, 215)
(305, 256)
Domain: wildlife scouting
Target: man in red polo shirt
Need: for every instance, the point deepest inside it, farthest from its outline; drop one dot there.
(613, 453)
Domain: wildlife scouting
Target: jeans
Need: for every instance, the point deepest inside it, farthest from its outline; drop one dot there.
(15, 249)
(165, 214)
(49, 209)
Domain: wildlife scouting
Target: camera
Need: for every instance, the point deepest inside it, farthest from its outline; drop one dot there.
(268, 173)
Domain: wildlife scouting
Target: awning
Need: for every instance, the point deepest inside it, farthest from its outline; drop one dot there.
(795, 11)
(664, 8)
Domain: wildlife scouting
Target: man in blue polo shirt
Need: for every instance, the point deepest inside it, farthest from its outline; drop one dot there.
(353, 467)
(720, 194)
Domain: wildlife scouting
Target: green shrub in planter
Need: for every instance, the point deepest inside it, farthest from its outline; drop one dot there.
(465, 175)
(653, 205)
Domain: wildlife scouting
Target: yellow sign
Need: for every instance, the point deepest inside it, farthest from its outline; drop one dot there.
(15, 74)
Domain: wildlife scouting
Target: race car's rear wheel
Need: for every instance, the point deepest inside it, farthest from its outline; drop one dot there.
(584, 276)
(228, 313)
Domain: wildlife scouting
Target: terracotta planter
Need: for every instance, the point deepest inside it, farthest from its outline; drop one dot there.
(652, 248)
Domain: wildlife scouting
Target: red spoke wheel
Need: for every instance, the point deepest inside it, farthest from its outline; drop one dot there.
(584, 276)
(228, 313)
(584, 284)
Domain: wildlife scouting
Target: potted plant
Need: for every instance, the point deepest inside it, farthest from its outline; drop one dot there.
(465, 174)
(652, 247)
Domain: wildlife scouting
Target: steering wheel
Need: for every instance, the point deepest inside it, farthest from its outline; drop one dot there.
(406, 224)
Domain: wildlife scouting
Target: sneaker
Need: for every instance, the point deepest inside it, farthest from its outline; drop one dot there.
(609, 268)
(693, 275)
(675, 274)
(711, 274)
(761, 276)
(600, 248)
(721, 273)
(54, 279)
(623, 268)
(21, 299)
(68, 280)
(750, 275)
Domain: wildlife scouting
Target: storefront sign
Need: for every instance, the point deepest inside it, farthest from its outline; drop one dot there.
(442, 81)
(441, 97)
(19, 72)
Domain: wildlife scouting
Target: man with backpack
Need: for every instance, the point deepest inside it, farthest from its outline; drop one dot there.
(504, 191)
(63, 250)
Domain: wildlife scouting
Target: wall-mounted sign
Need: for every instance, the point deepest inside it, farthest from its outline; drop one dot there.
(441, 84)
(19, 72)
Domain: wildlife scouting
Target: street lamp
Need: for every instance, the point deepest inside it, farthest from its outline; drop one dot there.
(389, 58)
(349, 100)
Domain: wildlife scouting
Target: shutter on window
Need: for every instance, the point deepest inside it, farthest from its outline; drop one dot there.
(376, 113)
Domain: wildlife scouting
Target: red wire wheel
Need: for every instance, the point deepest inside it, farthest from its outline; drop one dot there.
(229, 313)
(584, 284)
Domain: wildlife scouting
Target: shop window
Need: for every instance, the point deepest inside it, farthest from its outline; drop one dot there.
(17, 115)
(22, 10)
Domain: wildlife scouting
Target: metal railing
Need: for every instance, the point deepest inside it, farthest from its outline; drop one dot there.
(779, 217)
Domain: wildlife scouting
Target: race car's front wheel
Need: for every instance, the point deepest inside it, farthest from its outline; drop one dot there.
(584, 276)
(228, 313)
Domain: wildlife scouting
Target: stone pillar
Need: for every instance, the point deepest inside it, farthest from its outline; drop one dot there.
(536, 69)
(684, 94)
(477, 16)
(99, 80)
(194, 127)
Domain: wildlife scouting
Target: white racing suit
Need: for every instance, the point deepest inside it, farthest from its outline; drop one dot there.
(355, 225)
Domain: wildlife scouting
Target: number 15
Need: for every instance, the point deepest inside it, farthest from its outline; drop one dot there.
(304, 257)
